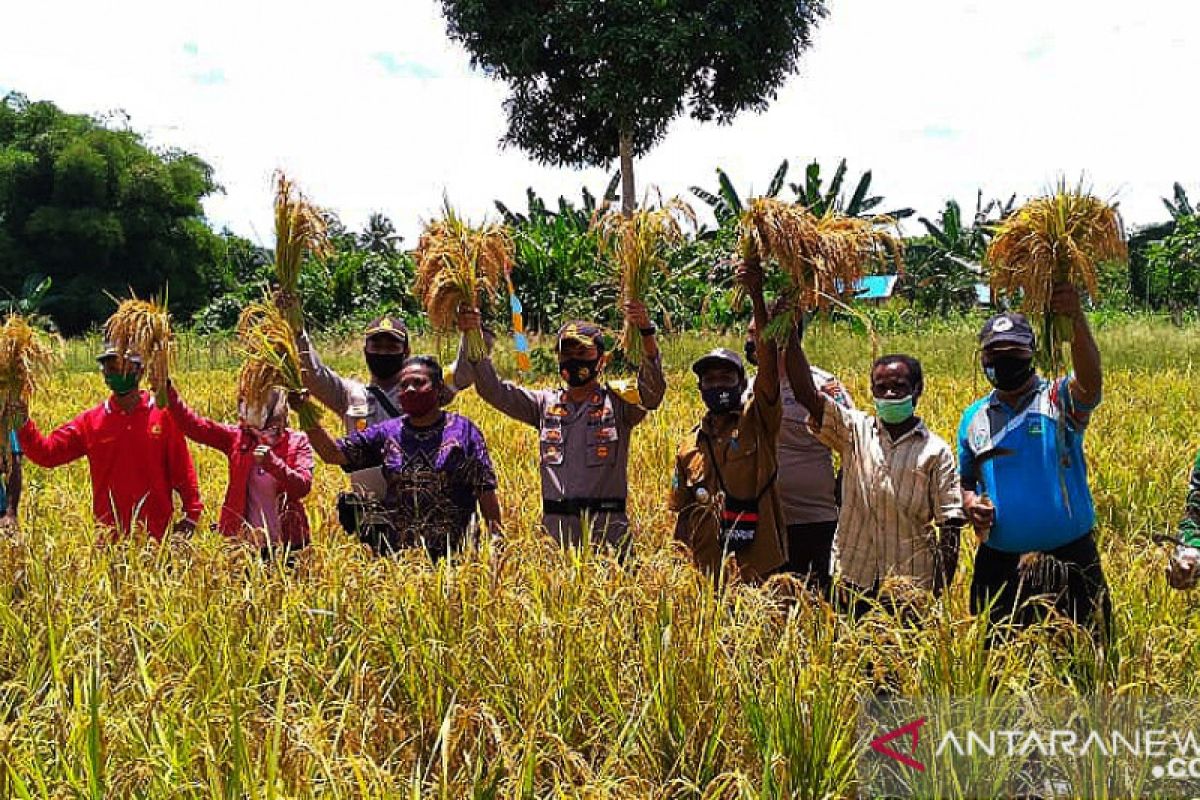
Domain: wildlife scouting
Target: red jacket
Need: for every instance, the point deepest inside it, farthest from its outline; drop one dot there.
(136, 459)
(290, 463)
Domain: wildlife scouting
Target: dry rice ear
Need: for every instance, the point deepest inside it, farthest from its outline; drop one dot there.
(272, 362)
(27, 356)
(460, 265)
(1061, 238)
(144, 327)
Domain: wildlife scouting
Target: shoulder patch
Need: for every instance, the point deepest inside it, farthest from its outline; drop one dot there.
(626, 390)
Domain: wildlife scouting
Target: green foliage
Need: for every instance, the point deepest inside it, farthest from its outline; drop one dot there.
(1173, 265)
(583, 75)
(97, 211)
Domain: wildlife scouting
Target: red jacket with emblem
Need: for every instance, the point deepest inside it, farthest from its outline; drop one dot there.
(290, 463)
(136, 459)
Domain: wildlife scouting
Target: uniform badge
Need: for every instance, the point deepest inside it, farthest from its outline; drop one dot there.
(552, 435)
(557, 410)
(156, 429)
(606, 435)
(360, 424)
(602, 451)
(979, 438)
(552, 456)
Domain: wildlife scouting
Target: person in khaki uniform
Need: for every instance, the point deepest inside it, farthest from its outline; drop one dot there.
(584, 428)
(725, 488)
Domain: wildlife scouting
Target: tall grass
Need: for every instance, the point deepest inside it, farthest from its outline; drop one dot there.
(195, 670)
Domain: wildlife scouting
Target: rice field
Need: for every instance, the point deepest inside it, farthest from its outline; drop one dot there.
(194, 670)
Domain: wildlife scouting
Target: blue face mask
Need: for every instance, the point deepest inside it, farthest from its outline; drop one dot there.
(894, 412)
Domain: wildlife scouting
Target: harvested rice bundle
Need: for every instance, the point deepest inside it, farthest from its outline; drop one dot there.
(822, 257)
(271, 360)
(460, 265)
(144, 327)
(637, 245)
(1051, 240)
(26, 358)
(299, 229)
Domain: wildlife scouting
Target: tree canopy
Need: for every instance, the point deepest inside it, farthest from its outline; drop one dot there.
(99, 211)
(592, 81)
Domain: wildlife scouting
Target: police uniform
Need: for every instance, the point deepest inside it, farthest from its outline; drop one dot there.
(583, 447)
(352, 400)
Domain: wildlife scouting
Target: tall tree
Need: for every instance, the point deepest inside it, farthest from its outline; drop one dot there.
(594, 81)
(96, 210)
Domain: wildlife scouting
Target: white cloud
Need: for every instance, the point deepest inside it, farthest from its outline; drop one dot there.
(372, 108)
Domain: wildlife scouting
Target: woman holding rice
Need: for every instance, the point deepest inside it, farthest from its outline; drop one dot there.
(435, 462)
(270, 471)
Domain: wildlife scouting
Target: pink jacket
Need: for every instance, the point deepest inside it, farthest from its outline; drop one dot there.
(290, 463)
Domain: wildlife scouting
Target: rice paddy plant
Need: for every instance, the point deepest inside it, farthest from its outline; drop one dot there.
(1061, 238)
(300, 230)
(27, 356)
(822, 257)
(143, 328)
(638, 245)
(460, 265)
(271, 359)
(194, 668)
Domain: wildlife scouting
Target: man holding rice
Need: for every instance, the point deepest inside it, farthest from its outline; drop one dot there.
(136, 453)
(902, 513)
(584, 428)
(1024, 476)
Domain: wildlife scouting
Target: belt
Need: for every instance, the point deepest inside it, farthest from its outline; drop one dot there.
(575, 506)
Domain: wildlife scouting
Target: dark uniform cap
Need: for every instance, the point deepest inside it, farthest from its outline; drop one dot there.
(720, 357)
(588, 334)
(1006, 329)
(389, 325)
(109, 350)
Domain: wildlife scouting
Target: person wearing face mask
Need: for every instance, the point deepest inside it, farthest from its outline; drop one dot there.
(725, 491)
(136, 454)
(1024, 477)
(435, 462)
(583, 427)
(270, 472)
(808, 484)
(901, 513)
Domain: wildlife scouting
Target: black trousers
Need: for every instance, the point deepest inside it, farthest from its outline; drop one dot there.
(810, 551)
(1068, 578)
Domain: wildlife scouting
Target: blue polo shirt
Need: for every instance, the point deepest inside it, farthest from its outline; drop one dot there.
(16, 449)
(1040, 491)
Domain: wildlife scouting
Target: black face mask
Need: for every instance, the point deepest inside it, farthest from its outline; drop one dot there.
(1008, 373)
(751, 351)
(385, 365)
(577, 371)
(722, 400)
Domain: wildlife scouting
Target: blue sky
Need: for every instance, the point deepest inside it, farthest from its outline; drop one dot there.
(371, 108)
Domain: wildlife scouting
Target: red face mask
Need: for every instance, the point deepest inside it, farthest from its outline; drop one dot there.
(418, 403)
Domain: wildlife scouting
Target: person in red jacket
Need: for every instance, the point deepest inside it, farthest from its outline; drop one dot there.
(270, 471)
(136, 454)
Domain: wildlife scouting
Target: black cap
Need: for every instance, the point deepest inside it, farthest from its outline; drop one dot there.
(720, 357)
(387, 326)
(109, 350)
(1007, 329)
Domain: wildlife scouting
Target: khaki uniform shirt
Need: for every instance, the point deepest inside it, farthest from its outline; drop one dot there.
(893, 494)
(748, 463)
(583, 448)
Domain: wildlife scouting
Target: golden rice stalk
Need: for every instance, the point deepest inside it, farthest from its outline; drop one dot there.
(637, 245)
(143, 327)
(26, 357)
(271, 359)
(299, 229)
(823, 257)
(458, 265)
(1051, 240)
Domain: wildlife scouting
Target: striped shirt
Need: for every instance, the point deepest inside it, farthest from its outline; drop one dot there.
(893, 494)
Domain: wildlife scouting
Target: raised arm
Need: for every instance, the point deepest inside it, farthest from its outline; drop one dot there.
(505, 396)
(651, 380)
(64, 444)
(198, 428)
(766, 383)
(1087, 382)
(325, 446)
(799, 375)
